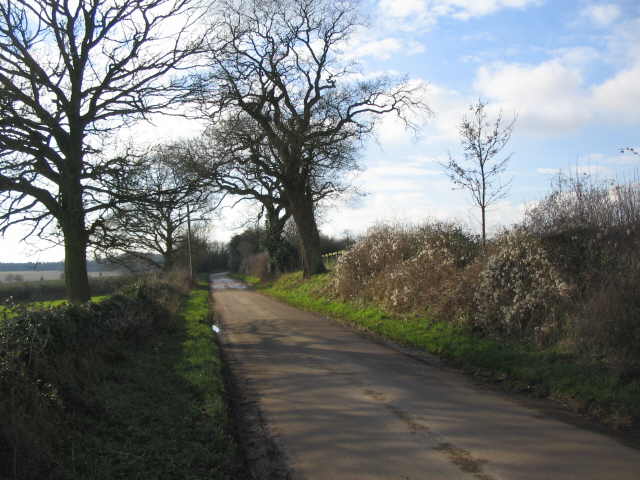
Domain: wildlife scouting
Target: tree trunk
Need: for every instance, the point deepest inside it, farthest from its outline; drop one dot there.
(304, 216)
(72, 222)
(75, 261)
(483, 208)
(274, 243)
(168, 256)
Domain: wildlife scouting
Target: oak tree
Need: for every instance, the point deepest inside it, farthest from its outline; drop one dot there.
(241, 161)
(72, 72)
(282, 63)
(157, 200)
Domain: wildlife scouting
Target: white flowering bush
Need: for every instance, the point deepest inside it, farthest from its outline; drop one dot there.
(407, 269)
(520, 292)
(378, 251)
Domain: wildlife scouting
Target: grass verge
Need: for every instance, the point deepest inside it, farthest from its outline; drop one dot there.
(129, 387)
(593, 389)
(248, 279)
(159, 409)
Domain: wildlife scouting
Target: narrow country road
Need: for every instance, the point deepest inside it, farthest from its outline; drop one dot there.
(343, 407)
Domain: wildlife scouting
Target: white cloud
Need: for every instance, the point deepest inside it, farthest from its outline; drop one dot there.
(448, 105)
(548, 97)
(161, 129)
(554, 97)
(381, 49)
(465, 9)
(391, 130)
(580, 56)
(403, 8)
(367, 43)
(619, 97)
(603, 14)
(415, 47)
(402, 170)
(415, 13)
(623, 159)
(434, 200)
(422, 160)
(32, 249)
(548, 171)
(623, 43)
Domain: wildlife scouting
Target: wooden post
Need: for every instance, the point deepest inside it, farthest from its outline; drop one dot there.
(189, 244)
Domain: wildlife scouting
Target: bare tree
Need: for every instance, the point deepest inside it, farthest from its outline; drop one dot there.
(71, 73)
(280, 62)
(161, 197)
(239, 159)
(479, 172)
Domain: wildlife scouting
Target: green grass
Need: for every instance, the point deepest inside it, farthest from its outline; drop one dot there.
(52, 303)
(590, 388)
(248, 279)
(58, 303)
(162, 411)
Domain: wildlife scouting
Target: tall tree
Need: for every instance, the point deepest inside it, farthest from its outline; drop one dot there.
(280, 62)
(239, 159)
(71, 73)
(157, 200)
(479, 171)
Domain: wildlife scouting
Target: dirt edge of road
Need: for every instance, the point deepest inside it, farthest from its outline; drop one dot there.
(262, 456)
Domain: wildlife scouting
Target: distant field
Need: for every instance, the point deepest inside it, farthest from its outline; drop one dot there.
(35, 286)
(37, 275)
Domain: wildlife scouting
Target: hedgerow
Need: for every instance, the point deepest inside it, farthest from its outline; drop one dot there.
(50, 359)
(567, 276)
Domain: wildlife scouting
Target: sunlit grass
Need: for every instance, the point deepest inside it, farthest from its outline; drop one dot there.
(543, 372)
(164, 413)
(48, 304)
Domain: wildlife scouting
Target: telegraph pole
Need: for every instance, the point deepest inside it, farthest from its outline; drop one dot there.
(189, 244)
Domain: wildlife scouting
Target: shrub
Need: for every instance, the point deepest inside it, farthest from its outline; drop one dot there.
(380, 249)
(520, 293)
(590, 231)
(409, 269)
(256, 265)
(586, 226)
(49, 358)
(607, 320)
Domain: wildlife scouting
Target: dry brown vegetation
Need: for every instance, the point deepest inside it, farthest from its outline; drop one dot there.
(567, 277)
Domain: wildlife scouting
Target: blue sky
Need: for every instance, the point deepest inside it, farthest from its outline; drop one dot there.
(570, 70)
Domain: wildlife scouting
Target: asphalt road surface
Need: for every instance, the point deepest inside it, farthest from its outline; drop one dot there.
(341, 406)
